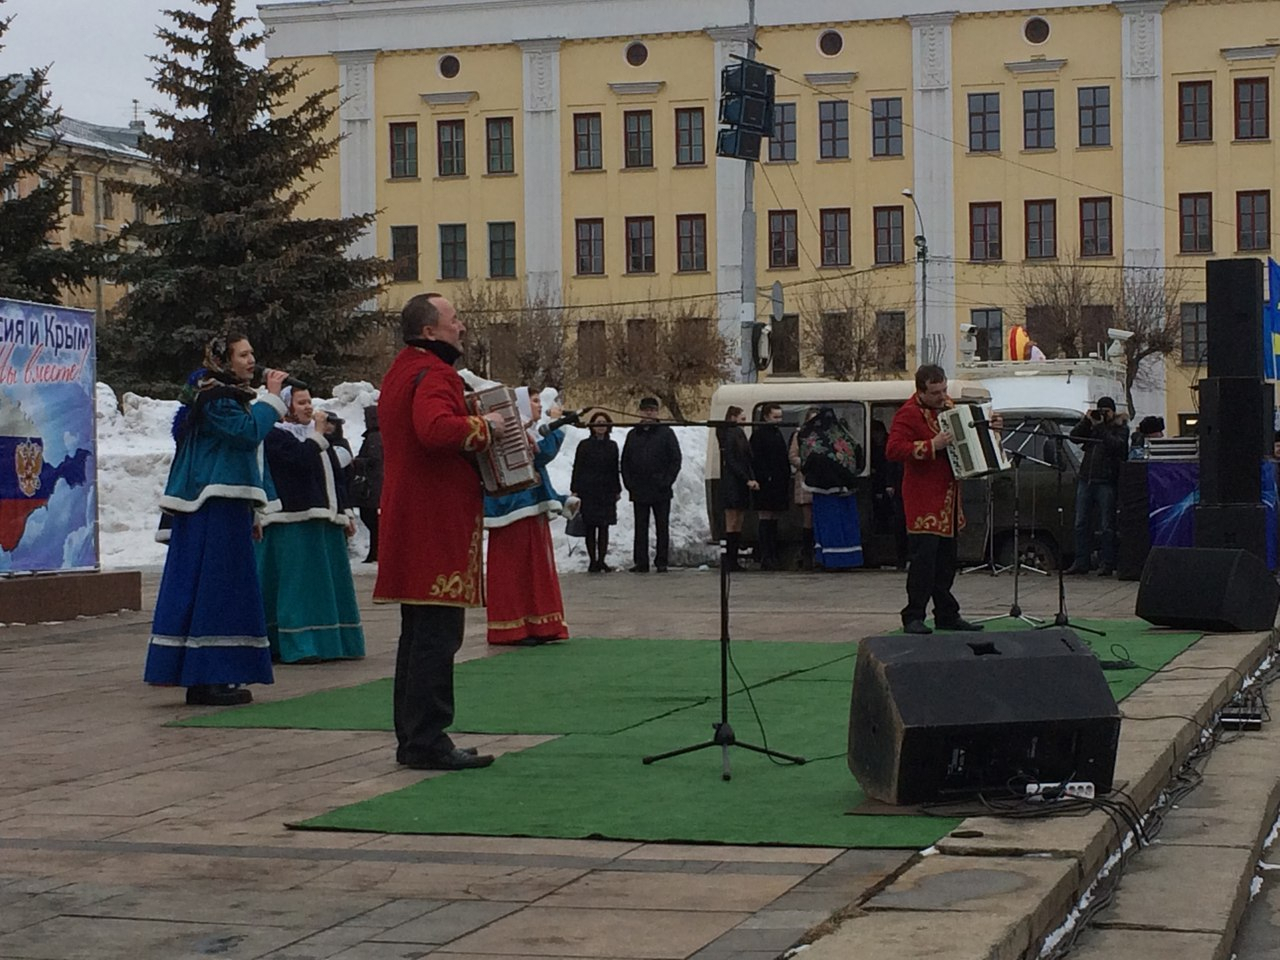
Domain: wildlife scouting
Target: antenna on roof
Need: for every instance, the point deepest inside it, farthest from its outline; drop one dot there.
(135, 109)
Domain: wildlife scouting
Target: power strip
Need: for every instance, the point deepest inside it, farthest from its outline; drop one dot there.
(1080, 790)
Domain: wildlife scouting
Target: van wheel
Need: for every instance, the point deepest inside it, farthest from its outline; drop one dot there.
(1038, 550)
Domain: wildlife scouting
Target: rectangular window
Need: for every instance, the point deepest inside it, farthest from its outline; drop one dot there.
(891, 339)
(833, 129)
(1195, 216)
(835, 238)
(500, 144)
(139, 212)
(1252, 109)
(77, 195)
(989, 332)
(504, 363)
(451, 143)
(1195, 333)
(589, 239)
(642, 340)
(782, 145)
(639, 139)
(1195, 111)
(108, 202)
(592, 349)
(690, 149)
(784, 346)
(1037, 120)
(1095, 227)
(691, 237)
(984, 122)
(886, 127)
(404, 150)
(1042, 229)
(502, 249)
(640, 256)
(404, 254)
(1095, 116)
(11, 190)
(588, 150)
(453, 251)
(784, 248)
(889, 240)
(1253, 220)
(984, 231)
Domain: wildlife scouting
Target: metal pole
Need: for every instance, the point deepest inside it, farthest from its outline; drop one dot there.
(747, 311)
(922, 254)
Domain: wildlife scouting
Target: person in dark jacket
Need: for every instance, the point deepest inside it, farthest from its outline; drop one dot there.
(1106, 445)
(887, 511)
(367, 491)
(772, 468)
(597, 484)
(737, 480)
(650, 465)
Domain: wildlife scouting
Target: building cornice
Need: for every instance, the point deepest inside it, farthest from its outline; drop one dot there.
(1034, 66)
(831, 78)
(1265, 51)
(540, 44)
(638, 88)
(453, 98)
(1141, 6)
(356, 56)
(943, 18)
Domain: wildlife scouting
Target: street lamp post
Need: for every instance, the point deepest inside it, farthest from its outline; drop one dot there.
(922, 254)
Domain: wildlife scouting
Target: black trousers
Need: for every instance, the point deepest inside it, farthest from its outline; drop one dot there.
(430, 636)
(662, 526)
(931, 570)
(369, 517)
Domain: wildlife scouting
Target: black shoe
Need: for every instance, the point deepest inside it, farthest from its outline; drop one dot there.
(918, 627)
(1106, 571)
(218, 695)
(593, 568)
(1074, 570)
(639, 569)
(605, 568)
(959, 626)
(661, 568)
(469, 750)
(454, 759)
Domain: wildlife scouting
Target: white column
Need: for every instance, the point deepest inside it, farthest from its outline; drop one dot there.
(934, 186)
(543, 203)
(1142, 107)
(730, 184)
(357, 160)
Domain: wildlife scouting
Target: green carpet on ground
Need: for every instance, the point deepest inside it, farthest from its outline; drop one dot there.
(591, 783)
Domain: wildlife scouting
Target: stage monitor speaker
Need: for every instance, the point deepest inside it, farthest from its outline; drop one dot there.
(1233, 318)
(1201, 588)
(1232, 526)
(950, 715)
(1236, 428)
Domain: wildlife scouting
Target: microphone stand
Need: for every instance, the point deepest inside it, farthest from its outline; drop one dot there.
(1015, 611)
(989, 541)
(1060, 618)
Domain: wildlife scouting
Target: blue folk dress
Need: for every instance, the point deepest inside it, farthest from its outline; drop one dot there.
(303, 565)
(209, 626)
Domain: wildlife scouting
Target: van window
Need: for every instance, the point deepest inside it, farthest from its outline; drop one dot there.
(852, 412)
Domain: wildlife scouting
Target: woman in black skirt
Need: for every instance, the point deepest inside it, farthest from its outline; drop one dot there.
(737, 480)
(597, 484)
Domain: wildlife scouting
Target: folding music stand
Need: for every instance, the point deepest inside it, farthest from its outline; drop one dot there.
(1015, 611)
(989, 539)
(1061, 619)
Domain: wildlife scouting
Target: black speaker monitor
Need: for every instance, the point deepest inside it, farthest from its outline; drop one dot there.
(1236, 428)
(948, 716)
(1233, 318)
(1202, 588)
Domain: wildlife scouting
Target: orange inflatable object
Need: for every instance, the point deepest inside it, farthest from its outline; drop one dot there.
(1019, 343)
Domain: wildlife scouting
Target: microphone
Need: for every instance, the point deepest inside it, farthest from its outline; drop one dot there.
(573, 418)
(293, 382)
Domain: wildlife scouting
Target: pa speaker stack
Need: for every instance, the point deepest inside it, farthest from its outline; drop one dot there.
(1237, 411)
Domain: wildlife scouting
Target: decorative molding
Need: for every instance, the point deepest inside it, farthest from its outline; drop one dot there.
(541, 74)
(1034, 66)
(933, 50)
(740, 33)
(840, 78)
(1266, 51)
(540, 45)
(453, 98)
(638, 88)
(1143, 59)
(345, 57)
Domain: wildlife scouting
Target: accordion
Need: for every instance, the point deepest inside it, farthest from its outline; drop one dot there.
(975, 450)
(506, 465)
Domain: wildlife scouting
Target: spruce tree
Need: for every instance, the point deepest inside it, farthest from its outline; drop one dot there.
(221, 248)
(31, 266)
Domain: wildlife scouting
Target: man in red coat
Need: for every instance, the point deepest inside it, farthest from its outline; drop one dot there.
(431, 525)
(931, 498)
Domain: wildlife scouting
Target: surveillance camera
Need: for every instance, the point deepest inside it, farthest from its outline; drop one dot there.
(1117, 334)
(967, 328)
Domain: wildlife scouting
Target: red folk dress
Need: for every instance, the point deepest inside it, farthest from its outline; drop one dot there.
(432, 521)
(930, 491)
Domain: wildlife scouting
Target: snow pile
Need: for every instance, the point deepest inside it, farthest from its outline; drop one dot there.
(135, 449)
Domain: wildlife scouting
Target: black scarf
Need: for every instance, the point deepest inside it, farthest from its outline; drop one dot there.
(445, 351)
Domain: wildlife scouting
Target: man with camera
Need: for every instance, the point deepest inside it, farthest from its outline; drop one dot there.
(1105, 440)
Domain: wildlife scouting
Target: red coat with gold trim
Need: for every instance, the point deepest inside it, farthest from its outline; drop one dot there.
(930, 491)
(432, 518)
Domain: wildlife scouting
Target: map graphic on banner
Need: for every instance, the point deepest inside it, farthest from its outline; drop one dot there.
(48, 497)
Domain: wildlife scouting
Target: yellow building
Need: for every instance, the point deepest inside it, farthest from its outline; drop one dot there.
(1069, 167)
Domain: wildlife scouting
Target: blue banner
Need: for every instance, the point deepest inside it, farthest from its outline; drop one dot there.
(1173, 490)
(48, 449)
(1271, 323)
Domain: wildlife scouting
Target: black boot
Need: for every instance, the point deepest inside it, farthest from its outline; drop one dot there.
(602, 549)
(769, 545)
(592, 552)
(806, 550)
(731, 551)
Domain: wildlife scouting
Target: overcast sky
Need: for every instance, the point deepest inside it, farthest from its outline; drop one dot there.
(96, 49)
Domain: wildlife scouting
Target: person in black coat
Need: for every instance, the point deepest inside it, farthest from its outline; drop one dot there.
(1106, 446)
(737, 480)
(650, 464)
(597, 483)
(367, 480)
(772, 467)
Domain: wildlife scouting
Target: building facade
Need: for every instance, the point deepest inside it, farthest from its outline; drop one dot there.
(1069, 167)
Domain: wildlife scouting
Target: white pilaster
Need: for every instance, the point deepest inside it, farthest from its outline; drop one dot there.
(1142, 106)
(543, 210)
(357, 160)
(730, 187)
(934, 186)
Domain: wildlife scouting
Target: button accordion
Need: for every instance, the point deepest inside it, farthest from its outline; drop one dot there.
(506, 465)
(975, 450)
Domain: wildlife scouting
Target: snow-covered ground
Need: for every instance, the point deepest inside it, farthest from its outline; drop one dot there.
(135, 449)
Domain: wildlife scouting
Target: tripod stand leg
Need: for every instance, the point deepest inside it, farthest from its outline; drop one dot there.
(770, 753)
(654, 758)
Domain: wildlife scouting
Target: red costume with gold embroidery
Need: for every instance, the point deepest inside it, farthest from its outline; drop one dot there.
(432, 520)
(930, 490)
